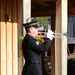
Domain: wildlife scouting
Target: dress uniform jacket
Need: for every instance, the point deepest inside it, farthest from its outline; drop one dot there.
(32, 55)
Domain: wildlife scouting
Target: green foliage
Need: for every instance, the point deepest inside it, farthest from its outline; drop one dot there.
(20, 51)
(42, 21)
(38, 39)
(21, 38)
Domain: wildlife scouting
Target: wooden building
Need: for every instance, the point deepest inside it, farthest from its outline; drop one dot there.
(15, 12)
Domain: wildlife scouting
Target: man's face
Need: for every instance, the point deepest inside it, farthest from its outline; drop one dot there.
(34, 31)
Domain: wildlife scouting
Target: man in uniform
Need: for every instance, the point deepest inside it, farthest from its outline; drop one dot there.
(32, 50)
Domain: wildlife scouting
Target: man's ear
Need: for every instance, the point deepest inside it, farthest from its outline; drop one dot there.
(30, 29)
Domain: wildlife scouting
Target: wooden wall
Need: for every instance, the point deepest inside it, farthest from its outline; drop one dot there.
(8, 37)
(20, 31)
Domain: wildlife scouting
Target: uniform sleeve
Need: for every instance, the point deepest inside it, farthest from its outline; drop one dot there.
(39, 47)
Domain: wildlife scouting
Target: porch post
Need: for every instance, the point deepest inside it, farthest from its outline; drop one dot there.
(26, 10)
(61, 43)
(53, 46)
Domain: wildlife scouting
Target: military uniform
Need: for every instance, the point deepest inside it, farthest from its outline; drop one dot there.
(32, 55)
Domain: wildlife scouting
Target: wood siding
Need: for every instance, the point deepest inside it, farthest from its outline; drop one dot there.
(8, 37)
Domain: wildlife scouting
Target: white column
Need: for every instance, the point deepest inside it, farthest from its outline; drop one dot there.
(61, 43)
(64, 38)
(26, 10)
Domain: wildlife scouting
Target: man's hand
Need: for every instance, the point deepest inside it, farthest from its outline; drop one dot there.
(50, 34)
